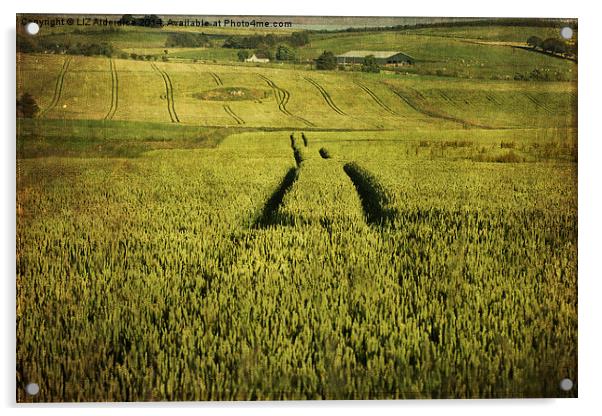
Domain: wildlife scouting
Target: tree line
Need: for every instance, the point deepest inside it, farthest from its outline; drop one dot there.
(520, 22)
(552, 45)
(281, 48)
(328, 61)
(281, 53)
(265, 41)
(44, 45)
(187, 40)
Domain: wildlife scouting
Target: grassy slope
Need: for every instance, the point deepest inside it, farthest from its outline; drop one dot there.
(457, 56)
(90, 139)
(436, 48)
(491, 33)
(142, 96)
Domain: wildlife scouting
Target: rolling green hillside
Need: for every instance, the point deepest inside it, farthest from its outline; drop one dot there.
(451, 56)
(68, 87)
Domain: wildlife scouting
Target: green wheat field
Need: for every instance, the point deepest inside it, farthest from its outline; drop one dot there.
(194, 227)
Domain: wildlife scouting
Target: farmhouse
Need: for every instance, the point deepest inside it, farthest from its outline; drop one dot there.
(254, 58)
(382, 57)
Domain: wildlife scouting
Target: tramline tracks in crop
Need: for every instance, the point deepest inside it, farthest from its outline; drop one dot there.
(58, 87)
(326, 96)
(232, 114)
(114, 91)
(421, 108)
(538, 103)
(412, 104)
(492, 99)
(270, 214)
(450, 100)
(297, 153)
(168, 94)
(216, 78)
(376, 99)
(282, 97)
(373, 196)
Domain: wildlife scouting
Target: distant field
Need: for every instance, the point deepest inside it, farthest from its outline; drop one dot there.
(449, 55)
(493, 33)
(295, 98)
(441, 51)
(130, 32)
(209, 54)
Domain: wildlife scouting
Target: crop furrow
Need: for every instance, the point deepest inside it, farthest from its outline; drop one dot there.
(324, 153)
(216, 78)
(374, 198)
(493, 99)
(114, 91)
(282, 98)
(232, 114)
(173, 104)
(270, 212)
(168, 94)
(434, 114)
(538, 103)
(326, 96)
(376, 99)
(449, 99)
(58, 87)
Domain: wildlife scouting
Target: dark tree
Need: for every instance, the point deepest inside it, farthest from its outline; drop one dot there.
(270, 39)
(27, 106)
(230, 43)
(299, 39)
(186, 40)
(369, 64)
(572, 48)
(26, 44)
(242, 55)
(554, 45)
(326, 61)
(534, 42)
(284, 53)
(127, 19)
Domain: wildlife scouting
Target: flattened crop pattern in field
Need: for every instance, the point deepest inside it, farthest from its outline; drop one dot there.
(376, 99)
(168, 94)
(326, 96)
(232, 114)
(282, 97)
(58, 88)
(216, 78)
(114, 91)
(372, 195)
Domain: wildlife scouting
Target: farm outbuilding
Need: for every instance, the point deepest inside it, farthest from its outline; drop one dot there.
(382, 57)
(260, 59)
